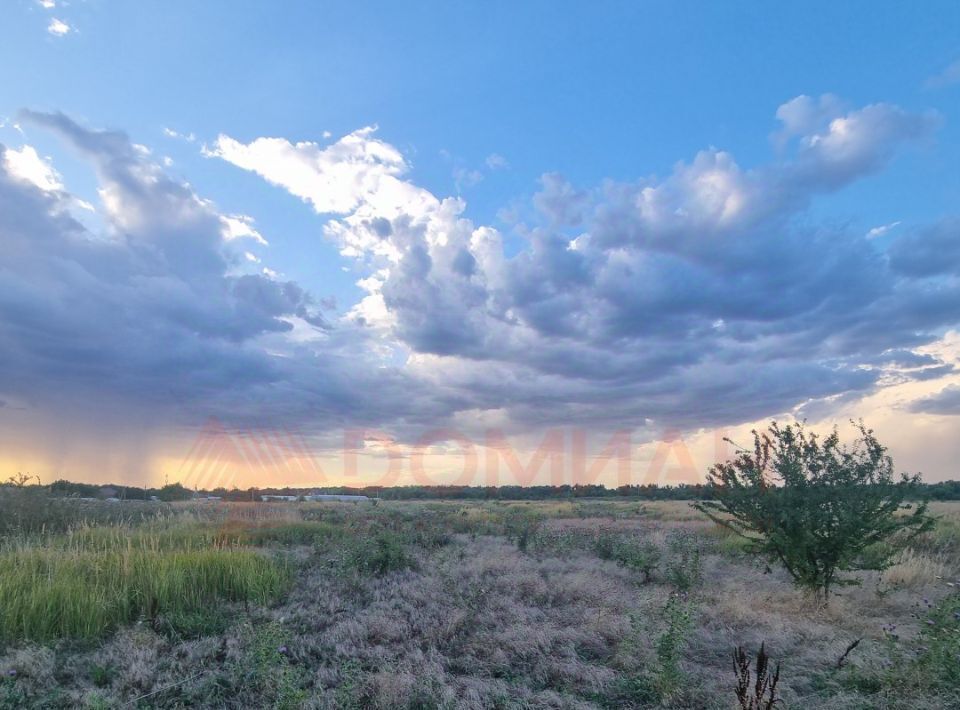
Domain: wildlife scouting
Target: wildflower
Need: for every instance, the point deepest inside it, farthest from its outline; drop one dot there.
(283, 650)
(12, 673)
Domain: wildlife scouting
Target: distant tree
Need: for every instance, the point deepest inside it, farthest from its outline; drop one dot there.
(174, 491)
(815, 505)
(22, 479)
(65, 488)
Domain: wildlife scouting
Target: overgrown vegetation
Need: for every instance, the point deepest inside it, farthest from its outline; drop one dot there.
(562, 604)
(816, 506)
(49, 591)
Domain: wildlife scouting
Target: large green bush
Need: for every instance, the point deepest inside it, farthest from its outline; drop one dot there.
(816, 505)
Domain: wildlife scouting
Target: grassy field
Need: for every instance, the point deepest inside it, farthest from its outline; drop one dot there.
(588, 604)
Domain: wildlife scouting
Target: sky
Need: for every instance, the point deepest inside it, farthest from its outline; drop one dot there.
(376, 243)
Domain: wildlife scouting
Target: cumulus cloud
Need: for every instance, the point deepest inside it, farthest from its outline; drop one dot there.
(25, 164)
(704, 297)
(58, 28)
(634, 302)
(153, 312)
(237, 226)
(335, 179)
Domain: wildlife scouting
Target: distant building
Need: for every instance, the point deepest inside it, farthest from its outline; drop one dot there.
(289, 499)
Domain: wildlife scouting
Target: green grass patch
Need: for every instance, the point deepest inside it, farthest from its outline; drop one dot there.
(49, 593)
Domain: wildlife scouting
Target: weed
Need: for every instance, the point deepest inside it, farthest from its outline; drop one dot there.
(377, 555)
(521, 525)
(271, 673)
(761, 694)
(670, 644)
(101, 675)
(640, 556)
(683, 568)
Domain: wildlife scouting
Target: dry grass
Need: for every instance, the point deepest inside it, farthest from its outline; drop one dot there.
(915, 570)
(471, 621)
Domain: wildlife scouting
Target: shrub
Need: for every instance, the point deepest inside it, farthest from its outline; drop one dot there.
(520, 526)
(814, 505)
(640, 556)
(377, 555)
(683, 568)
(670, 644)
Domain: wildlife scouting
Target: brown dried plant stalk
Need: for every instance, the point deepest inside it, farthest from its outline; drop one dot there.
(761, 694)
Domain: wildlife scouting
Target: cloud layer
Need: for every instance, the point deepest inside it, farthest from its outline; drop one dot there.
(702, 298)
(637, 302)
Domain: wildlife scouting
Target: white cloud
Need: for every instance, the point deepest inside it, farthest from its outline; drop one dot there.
(495, 161)
(882, 229)
(47, 4)
(466, 178)
(171, 133)
(58, 27)
(25, 164)
(336, 179)
(236, 226)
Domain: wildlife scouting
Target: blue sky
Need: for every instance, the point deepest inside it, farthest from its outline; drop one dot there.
(480, 101)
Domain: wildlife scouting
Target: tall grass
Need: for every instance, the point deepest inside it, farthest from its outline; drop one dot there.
(85, 586)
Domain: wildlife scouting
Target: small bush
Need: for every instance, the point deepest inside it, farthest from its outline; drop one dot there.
(683, 568)
(101, 676)
(670, 644)
(377, 555)
(640, 556)
(521, 525)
